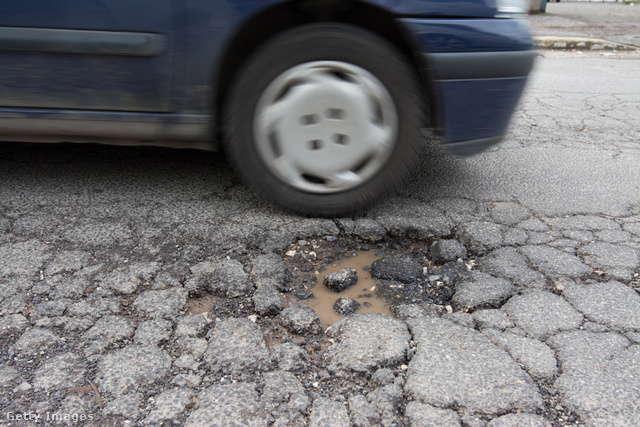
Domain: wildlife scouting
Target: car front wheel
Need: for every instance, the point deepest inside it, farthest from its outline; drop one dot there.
(324, 119)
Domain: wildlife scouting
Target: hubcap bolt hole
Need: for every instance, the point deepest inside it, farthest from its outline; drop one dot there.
(309, 119)
(315, 144)
(335, 113)
(340, 139)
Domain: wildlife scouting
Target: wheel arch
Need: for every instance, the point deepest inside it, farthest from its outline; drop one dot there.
(286, 15)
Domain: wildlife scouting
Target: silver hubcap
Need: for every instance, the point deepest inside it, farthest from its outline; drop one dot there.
(325, 126)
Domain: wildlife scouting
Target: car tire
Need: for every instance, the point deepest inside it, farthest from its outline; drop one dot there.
(324, 119)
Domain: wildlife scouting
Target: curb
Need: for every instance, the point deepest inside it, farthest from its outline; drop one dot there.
(579, 43)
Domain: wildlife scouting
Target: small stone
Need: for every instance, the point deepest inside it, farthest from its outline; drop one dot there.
(221, 277)
(23, 388)
(342, 280)
(403, 268)
(346, 306)
(369, 229)
(300, 319)
(289, 357)
(270, 269)
(447, 250)
(267, 300)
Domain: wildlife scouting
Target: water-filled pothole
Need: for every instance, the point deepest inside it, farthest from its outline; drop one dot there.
(364, 292)
(405, 275)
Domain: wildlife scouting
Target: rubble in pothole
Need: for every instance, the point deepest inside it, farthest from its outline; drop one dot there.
(381, 277)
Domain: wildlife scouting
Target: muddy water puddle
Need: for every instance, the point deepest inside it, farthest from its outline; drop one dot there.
(364, 291)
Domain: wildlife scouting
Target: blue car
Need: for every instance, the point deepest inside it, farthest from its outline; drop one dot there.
(318, 104)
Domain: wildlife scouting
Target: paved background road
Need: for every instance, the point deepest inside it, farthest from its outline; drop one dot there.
(616, 22)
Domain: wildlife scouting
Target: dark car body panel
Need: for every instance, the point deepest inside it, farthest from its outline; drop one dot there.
(154, 70)
(56, 77)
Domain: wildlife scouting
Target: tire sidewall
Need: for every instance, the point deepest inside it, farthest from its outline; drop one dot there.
(322, 42)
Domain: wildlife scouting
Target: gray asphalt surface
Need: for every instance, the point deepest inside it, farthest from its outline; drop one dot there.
(105, 252)
(147, 286)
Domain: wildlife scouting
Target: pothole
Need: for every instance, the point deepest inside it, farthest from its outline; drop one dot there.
(431, 283)
(364, 292)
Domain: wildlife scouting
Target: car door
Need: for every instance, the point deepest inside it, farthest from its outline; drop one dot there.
(109, 55)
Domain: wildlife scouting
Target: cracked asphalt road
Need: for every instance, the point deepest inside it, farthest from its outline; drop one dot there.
(108, 256)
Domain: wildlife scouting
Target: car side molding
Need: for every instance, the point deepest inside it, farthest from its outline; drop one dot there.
(481, 65)
(83, 42)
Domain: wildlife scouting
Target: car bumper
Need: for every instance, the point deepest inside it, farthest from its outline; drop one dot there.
(478, 70)
(475, 110)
